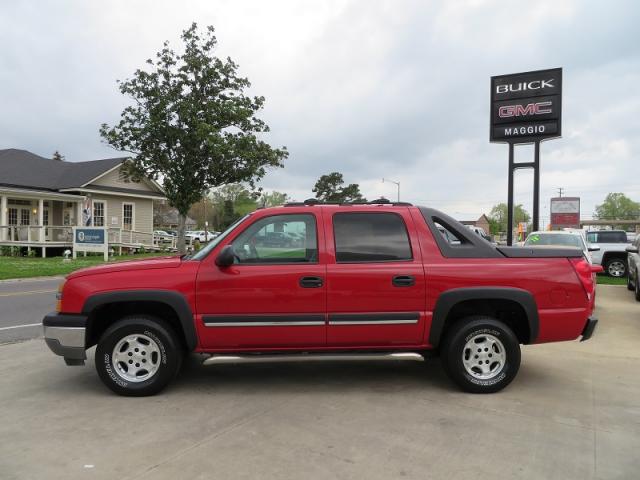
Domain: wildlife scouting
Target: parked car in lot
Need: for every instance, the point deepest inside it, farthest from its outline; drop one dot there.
(559, 238)
(612, 254)
(633, 279)
(161, 236)
(200, 235)
(370, 281)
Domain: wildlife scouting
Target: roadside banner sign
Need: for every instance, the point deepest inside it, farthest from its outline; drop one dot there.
(92, 239)
(565, 212)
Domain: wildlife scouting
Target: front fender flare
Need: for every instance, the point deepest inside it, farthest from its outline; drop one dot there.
(448, 299)
(173, 299)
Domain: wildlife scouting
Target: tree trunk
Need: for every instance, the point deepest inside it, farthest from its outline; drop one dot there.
(182, 248)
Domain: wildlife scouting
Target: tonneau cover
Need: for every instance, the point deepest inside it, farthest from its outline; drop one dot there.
(540, 252)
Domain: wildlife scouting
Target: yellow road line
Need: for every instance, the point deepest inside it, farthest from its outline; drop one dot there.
(31, 292)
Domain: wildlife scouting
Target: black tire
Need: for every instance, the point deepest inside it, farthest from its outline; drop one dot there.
(167, 357)
(629, 284)
(637, 287)
(617, 265)
(453, 349)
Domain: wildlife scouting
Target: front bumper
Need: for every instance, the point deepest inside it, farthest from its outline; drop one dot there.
(589, 328)
(65, 335)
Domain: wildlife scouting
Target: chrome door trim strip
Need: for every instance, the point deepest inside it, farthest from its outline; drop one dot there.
(286, 320)
(261, 324)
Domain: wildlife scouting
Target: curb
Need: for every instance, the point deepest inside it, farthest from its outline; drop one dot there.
(32, 279)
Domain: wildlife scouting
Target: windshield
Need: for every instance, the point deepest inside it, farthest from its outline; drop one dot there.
(560, 240)
(213, 243)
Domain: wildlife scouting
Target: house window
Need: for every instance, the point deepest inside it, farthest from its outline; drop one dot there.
(13, 216)
(127, 216)
(45, 217)
(98, 214)
(25, 217)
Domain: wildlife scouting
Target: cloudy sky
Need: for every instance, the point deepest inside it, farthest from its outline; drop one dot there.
(396, 89)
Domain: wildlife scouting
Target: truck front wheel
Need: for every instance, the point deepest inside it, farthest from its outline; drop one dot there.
(481, 354)
(138, 356)
(616, 267)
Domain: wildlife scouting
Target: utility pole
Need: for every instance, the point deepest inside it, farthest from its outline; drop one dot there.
(560, 191)
(397, 185)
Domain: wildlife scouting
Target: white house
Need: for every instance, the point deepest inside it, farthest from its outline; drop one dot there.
(41, 199)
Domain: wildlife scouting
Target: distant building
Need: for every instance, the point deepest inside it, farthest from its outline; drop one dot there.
(482, 222)
(166, 218)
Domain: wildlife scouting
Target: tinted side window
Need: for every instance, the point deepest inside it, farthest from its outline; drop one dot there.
(278, 239)
(612, 237)
(370, 237)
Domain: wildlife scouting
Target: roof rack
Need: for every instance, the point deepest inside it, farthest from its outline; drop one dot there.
(380, 201)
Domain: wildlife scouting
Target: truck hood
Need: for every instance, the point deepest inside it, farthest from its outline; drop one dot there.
(147, 264)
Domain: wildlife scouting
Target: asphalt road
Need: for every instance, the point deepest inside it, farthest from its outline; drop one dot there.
(573, 412)
(23, 303)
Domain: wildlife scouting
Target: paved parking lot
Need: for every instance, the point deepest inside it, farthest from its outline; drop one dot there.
(572, 413)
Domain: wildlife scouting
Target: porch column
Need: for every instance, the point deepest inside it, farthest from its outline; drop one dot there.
(41, 220)
(3, 217)
(79, 214)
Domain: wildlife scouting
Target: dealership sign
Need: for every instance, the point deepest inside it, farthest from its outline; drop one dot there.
(565, 212)
(526, 107)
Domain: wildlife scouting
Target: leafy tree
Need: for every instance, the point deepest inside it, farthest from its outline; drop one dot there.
(57, 156)
(617, 206)
(331, 188)
(231, 202)
(229, 215)
(273, 199)
(498, 217)
(191, 124)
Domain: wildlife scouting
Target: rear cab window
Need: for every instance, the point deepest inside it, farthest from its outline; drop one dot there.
(607, 237)
(362, 237)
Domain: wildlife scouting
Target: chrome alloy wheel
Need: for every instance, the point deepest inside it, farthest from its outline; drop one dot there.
(484, 356)
(616, 268)
(136, 358)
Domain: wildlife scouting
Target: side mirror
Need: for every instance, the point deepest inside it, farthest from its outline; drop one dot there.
(593, 248)
(226, 257)
(632, 249)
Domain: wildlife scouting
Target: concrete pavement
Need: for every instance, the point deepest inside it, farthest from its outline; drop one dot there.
(573, 412)
(23, 303)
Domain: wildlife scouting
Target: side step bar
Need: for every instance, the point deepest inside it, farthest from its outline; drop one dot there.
(310, 357)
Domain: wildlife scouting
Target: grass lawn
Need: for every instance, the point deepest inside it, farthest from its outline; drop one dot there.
(26, 267)
(606, 280)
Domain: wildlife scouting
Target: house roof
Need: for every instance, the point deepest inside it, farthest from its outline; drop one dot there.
(20, 168)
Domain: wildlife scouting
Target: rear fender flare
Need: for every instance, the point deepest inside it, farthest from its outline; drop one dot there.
(450, 298)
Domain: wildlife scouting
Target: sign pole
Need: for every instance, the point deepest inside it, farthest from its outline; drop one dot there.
(510, 198)
(526, 108)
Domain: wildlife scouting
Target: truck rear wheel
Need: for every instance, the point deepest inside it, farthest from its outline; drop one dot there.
(138, 356)
(481, 354)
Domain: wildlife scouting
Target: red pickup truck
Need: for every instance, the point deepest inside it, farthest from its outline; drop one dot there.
(310, 281)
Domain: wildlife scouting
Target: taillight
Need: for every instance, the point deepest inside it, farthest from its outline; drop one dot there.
(585, 272)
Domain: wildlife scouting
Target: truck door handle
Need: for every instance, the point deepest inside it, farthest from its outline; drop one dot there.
(403, 281)
(311, 282)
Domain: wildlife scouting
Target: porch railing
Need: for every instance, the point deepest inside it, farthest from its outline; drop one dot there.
(29, 234)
